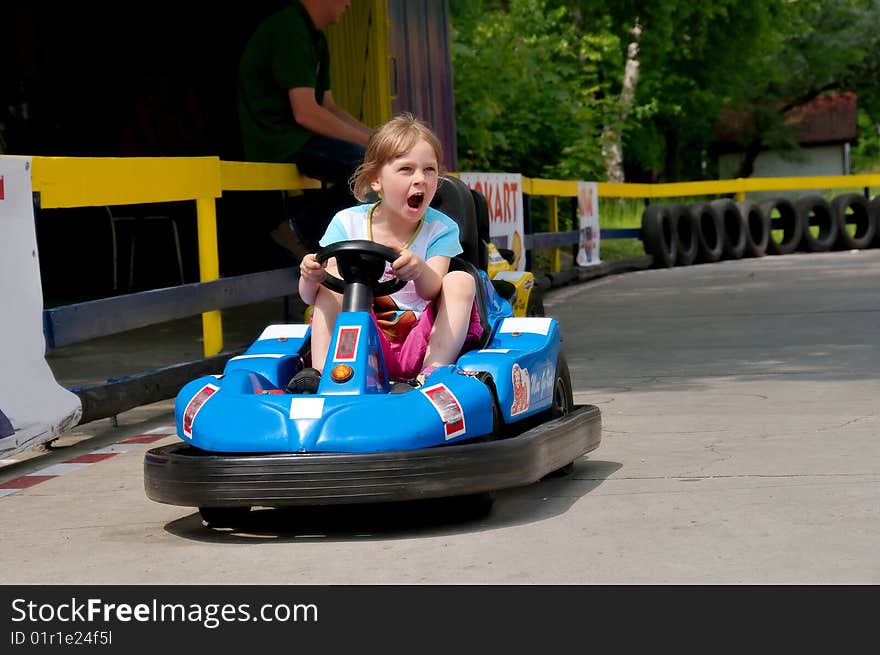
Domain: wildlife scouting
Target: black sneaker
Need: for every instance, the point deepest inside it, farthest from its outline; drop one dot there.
(306, 381)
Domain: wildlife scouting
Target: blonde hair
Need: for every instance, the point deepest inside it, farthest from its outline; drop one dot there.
(394, 138)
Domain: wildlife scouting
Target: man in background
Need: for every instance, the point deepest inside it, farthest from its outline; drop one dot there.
(287, 114)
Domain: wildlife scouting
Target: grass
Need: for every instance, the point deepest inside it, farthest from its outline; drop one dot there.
(613, 213)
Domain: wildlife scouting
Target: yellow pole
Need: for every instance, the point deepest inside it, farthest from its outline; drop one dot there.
(209, 269)
(553, 226)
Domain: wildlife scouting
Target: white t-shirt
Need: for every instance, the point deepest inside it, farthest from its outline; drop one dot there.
(437, 234)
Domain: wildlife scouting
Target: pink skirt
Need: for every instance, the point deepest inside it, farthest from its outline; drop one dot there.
(404, 359)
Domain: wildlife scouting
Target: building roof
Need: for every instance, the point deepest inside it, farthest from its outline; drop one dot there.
(826, 119)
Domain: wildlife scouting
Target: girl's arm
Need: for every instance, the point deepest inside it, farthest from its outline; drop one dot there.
(427, 276)
(312, 274)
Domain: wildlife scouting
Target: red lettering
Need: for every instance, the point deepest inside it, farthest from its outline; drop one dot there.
(513, 194)
(2, 194)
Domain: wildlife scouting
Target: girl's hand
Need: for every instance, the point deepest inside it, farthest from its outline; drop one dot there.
(311, 271)
(408, 266)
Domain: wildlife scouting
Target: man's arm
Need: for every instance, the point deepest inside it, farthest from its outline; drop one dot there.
(327, 119)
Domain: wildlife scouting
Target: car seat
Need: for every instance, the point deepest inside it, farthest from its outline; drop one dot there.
(455, 199)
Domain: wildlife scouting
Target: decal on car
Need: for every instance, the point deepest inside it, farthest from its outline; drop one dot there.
(541, 384)
(448, 408)
(521, 390)
(194, 405)
(306, 408)
(347, 343)
(529, 324)
(291, 331)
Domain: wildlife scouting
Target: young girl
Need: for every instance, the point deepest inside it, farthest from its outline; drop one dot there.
(427, 323)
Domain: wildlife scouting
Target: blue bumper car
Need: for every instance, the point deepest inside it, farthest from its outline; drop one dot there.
(502, 416)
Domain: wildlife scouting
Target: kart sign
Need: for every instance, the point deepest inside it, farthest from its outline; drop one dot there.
(503, 193)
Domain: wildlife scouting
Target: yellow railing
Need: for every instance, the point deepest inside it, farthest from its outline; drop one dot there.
(739, 186)
(93, 181)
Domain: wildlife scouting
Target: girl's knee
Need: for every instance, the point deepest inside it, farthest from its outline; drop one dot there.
(459, 284)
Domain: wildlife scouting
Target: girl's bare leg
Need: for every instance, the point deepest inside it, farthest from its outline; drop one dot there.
(451, 320)
(327, 306)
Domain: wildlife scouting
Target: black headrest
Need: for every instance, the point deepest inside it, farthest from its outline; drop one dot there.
(454, 199)
(482, 208)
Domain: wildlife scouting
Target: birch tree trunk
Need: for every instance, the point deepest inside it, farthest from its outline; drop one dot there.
(613, 150)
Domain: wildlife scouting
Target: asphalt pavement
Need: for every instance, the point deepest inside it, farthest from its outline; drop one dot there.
(740, 445)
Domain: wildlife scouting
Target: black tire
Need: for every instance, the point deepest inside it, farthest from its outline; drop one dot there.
(710, 232)
(757, 228)
(562, 404)
(816, 212)
(788, 221)
(686, 229)
(874, 212)
(658, 235)
(853, 209)
(224, 517)
(734, 228)
(535, 305)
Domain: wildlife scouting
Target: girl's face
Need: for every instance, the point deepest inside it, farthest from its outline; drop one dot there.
(408, 183)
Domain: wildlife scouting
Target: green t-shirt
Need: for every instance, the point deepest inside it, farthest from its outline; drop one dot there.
(284, 52)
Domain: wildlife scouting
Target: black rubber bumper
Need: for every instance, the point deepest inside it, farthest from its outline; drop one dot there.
(179, 474)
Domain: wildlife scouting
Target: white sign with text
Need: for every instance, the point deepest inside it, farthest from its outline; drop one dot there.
(588, 224)
(503, 193)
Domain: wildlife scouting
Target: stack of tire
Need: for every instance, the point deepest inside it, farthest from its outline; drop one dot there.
(680, 234)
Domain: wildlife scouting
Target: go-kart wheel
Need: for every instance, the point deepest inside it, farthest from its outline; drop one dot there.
(224, 517)
(479, 505)
(563, 403)
(563, 398)
(361, 261)
(535, 306)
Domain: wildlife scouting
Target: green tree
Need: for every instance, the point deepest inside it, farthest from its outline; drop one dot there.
(817, 47)
(529, 89)
(545, 87)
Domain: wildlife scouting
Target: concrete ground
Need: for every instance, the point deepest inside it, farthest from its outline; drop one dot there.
(740, 445)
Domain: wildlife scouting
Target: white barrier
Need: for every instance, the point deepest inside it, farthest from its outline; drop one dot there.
(34, 408)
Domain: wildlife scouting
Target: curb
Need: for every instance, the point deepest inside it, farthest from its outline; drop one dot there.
(578, 274)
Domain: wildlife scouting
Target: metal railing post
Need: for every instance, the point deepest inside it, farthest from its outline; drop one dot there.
(209, 269)
(553, 226)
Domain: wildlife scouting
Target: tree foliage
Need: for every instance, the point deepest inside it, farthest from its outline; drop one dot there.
(529, 89)
(537, 82)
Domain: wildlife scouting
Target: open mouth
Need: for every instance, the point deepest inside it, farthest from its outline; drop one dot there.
(415, 200)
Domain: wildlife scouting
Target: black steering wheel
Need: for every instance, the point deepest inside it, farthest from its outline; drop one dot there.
(361, 261)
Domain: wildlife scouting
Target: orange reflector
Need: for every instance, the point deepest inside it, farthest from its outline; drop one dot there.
(341, 373)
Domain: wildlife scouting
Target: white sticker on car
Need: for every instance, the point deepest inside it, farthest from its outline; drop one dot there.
(310, 408)
(529, 324)
(287, 331)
